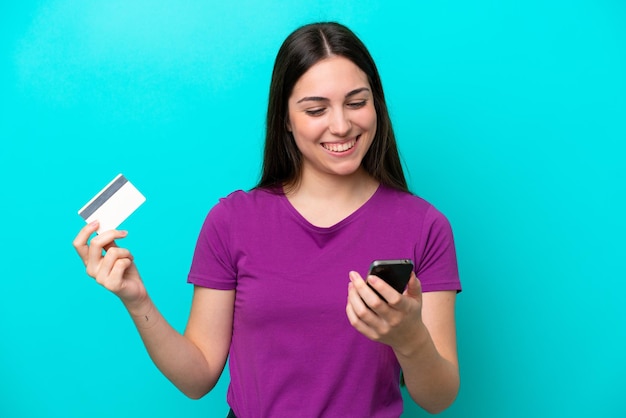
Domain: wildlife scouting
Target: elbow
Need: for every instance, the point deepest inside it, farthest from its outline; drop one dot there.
(196, 385)
(196, 392)
(440, 406)
(437, 409)
(195, 395)
(437, 404)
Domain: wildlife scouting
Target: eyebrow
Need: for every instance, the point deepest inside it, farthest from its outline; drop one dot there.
(322, 99)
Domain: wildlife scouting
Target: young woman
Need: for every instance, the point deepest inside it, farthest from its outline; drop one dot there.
(279, 272)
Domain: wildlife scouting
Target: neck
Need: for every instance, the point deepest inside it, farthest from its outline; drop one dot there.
(324, 200)
(335, 187)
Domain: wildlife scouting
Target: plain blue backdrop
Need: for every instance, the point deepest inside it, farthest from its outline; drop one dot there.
(510, 118)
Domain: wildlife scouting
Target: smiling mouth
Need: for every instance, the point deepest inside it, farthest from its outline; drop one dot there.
(340, 147)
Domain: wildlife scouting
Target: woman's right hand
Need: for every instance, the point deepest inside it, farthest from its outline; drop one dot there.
(111, 266)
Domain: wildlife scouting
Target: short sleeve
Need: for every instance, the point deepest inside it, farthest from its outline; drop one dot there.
(437, 267)
(212, 264)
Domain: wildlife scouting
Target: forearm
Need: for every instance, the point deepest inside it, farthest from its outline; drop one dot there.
(177, 357)
(193, 370)
(431, 380)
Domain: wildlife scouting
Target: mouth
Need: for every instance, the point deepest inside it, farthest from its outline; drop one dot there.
(340, 147)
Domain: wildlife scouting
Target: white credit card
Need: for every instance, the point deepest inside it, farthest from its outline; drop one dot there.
(113, 204)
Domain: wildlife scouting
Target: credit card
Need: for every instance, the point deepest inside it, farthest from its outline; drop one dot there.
(113, 204)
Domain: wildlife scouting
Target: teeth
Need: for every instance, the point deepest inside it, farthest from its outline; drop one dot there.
(339, 147)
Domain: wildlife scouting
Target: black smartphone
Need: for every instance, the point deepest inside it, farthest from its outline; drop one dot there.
(396, 273)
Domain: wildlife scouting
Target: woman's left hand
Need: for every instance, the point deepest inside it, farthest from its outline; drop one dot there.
(396, 322)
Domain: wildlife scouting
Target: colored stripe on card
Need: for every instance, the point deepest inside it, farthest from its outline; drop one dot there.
(103, 197)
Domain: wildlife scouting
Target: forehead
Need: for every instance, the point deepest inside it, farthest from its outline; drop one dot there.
(331, 76)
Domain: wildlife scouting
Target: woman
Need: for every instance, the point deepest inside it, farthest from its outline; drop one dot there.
(278, 271)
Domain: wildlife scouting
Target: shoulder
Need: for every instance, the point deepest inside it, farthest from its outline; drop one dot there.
(408, 203)
(243, 209)
(242, 200)
(411, 213)
(247, 196)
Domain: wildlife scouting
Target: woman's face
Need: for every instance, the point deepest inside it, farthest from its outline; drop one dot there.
(332, 117)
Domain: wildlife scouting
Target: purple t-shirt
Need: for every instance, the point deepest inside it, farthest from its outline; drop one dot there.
(293, 350)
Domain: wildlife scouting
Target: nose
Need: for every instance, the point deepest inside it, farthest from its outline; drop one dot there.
(339, 123)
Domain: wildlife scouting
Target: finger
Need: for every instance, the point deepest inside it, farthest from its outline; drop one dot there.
(107, 247)
(115, 279)
(390, 295)
(354, 276)
(364, 292)
(108, 275)
(102, 242)
(118, 270)
(80, 242)
(414, 288)
(360, 307)
(357, 323)
(111, 258)
(106, 240)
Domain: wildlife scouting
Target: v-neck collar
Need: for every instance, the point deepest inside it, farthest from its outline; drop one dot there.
(345, 221)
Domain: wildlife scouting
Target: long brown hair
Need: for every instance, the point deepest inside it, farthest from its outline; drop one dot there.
(307, 45)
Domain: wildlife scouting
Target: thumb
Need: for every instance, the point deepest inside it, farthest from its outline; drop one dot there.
(414, 288)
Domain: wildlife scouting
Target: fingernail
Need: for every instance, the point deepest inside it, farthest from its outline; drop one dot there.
(93, 223)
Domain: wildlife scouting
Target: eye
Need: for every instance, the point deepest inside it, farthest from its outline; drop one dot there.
(318, 111)
(357, 105)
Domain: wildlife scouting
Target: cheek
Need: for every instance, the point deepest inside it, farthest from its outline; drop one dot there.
(365, 117)
(373, 118)
(369, 122)
(307, 127)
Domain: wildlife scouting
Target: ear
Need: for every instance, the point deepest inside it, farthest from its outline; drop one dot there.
(288, 125)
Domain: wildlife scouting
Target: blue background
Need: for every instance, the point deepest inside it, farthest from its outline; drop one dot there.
(510, 118)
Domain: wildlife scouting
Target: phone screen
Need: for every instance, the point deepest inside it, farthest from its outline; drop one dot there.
(396, 273)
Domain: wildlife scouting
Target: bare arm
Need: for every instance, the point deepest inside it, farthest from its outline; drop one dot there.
(193, 361)
(429, 360)
(421, 330)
